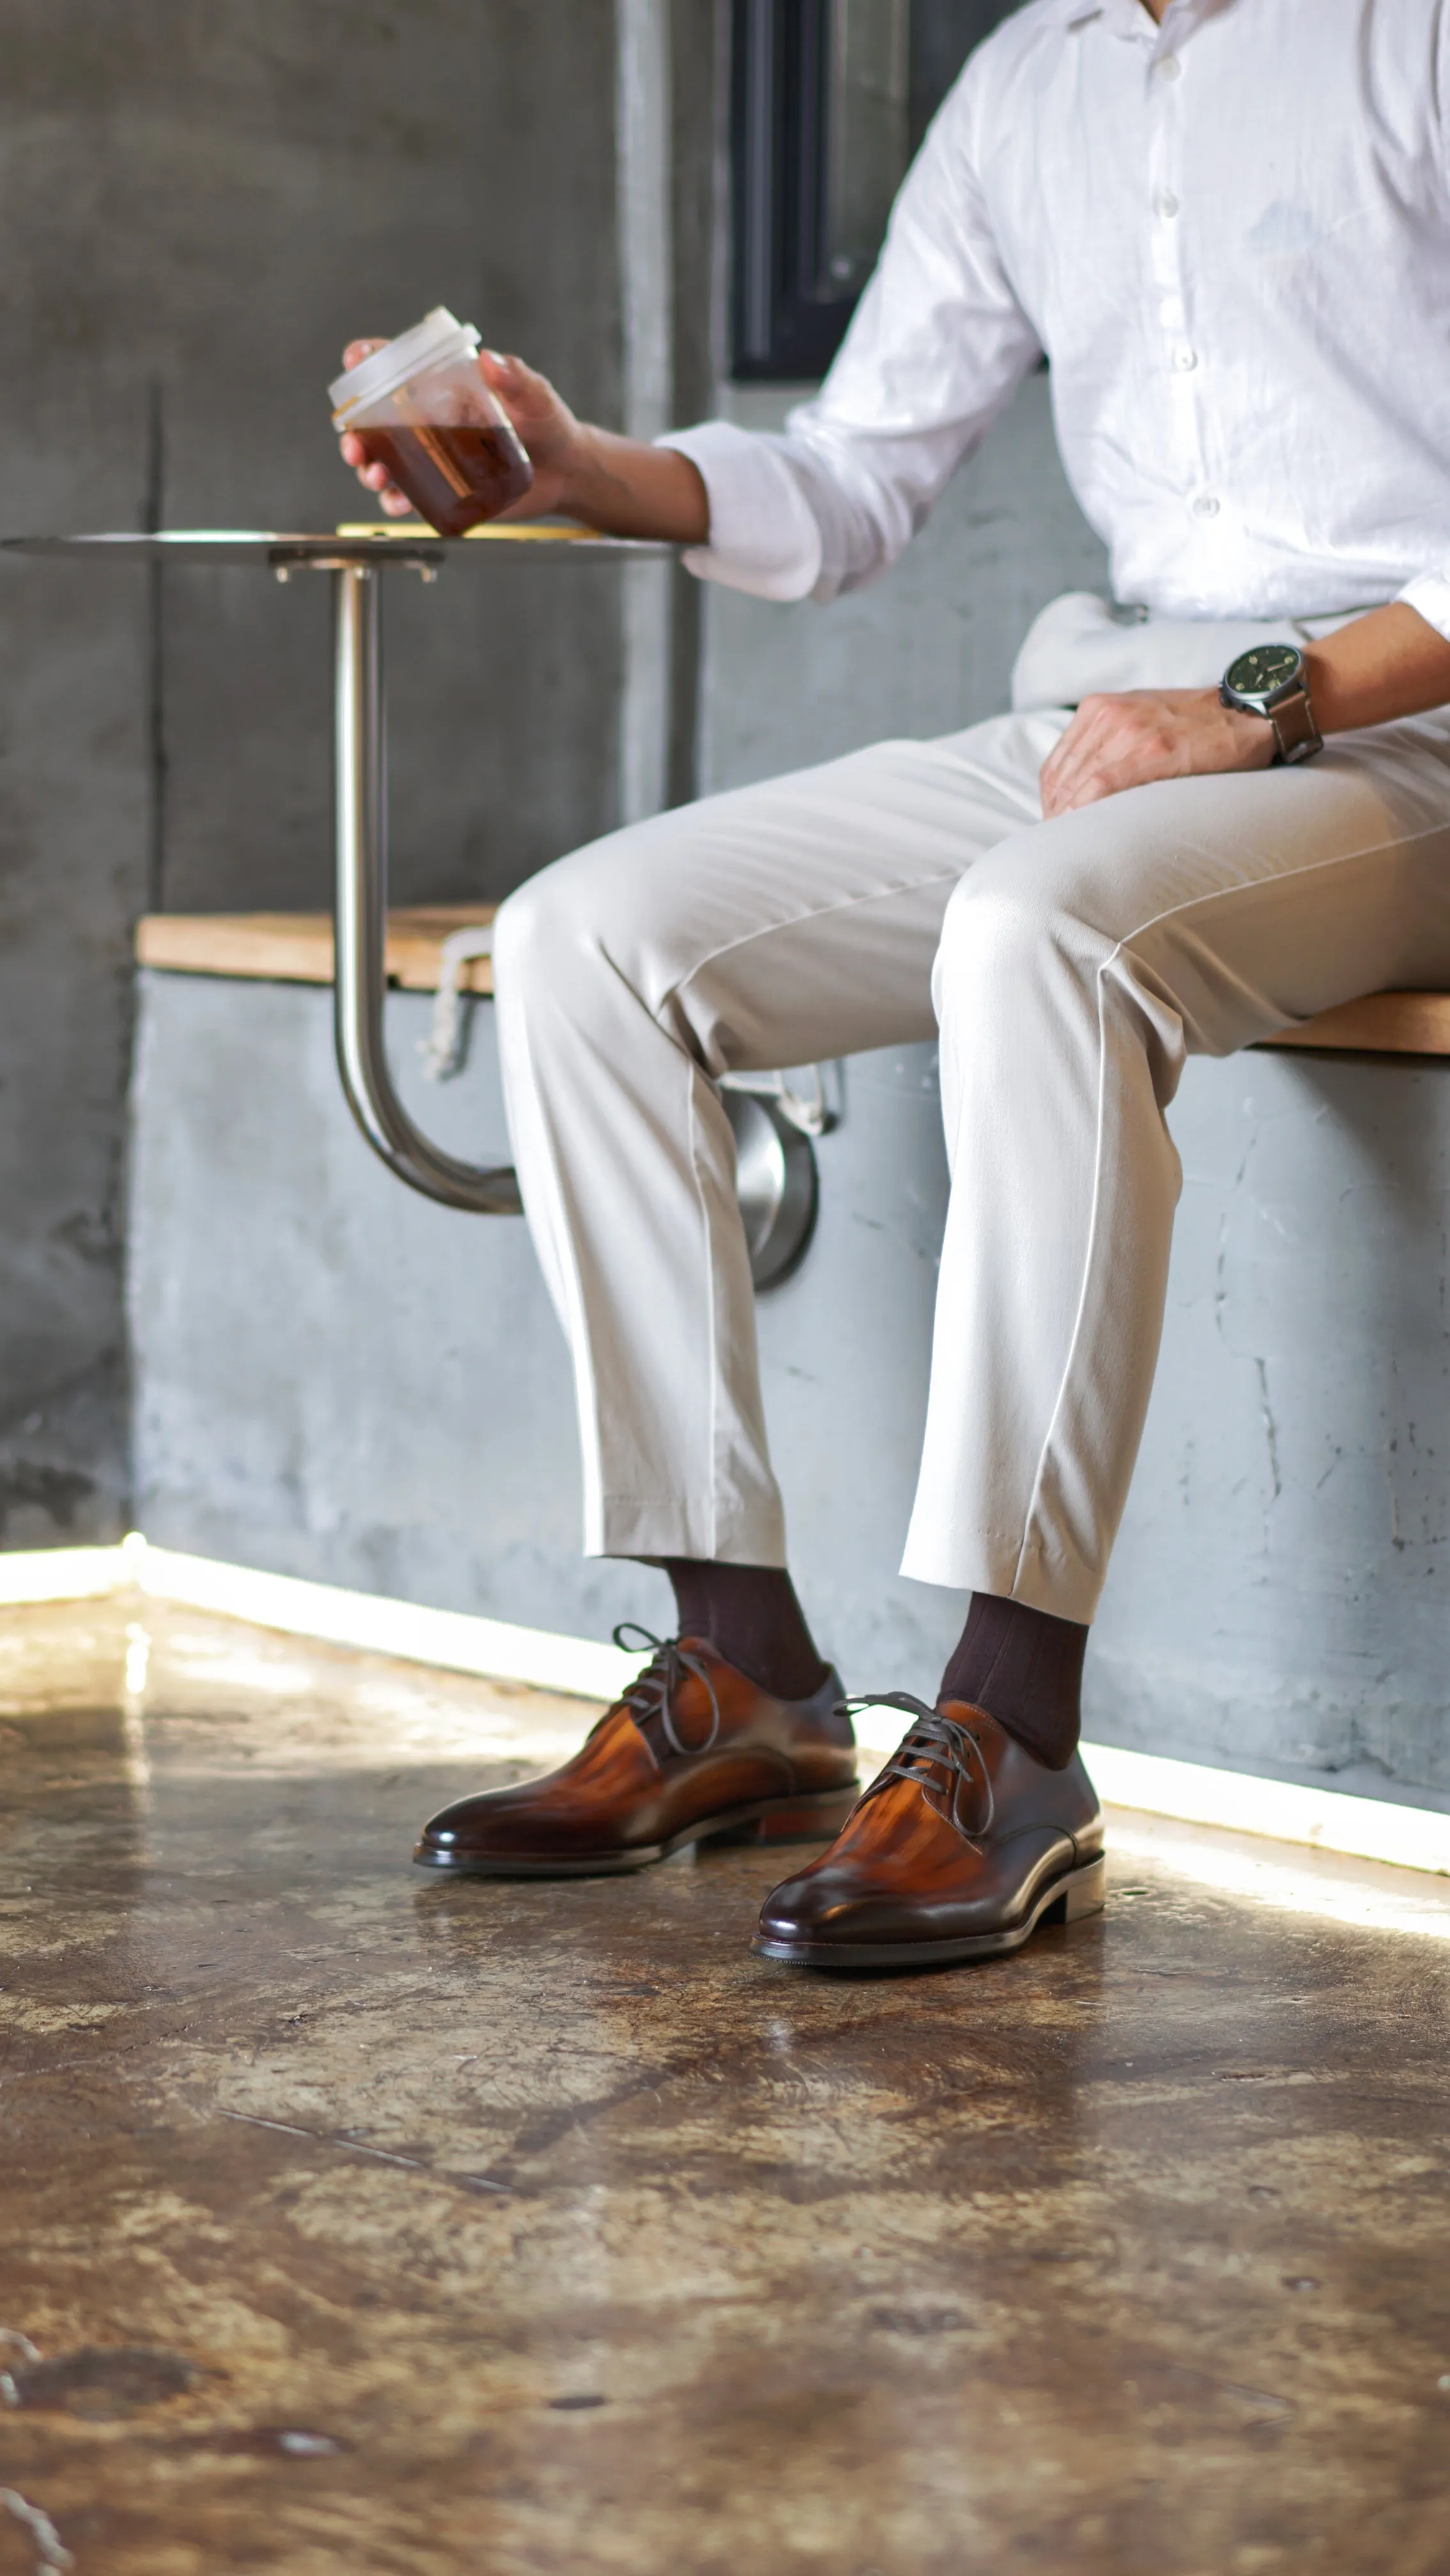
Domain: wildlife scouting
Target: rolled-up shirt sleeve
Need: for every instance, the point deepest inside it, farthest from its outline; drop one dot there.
(764, 536)
(937, 347)
(1429, 593)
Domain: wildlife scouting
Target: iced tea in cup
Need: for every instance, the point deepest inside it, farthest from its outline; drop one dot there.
(422, 410)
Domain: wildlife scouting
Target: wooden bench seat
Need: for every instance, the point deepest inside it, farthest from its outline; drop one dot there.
(1378, 1024)
(296, 948)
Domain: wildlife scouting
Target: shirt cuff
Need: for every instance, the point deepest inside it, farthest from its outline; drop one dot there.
(763, 535)
(1429, 593)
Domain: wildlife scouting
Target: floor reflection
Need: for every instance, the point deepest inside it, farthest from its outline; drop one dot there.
(356, 2219)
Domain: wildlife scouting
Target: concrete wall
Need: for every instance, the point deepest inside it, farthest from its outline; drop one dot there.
(197, 207)
(1277, 1597)
(341, 1381)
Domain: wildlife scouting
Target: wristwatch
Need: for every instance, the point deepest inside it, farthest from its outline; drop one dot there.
(1270, 680)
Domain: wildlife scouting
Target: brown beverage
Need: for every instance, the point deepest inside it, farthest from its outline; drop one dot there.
(455, 477)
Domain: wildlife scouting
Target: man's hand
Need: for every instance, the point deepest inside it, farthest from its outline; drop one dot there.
(617, 484)
(545, 424)
(1135, 735)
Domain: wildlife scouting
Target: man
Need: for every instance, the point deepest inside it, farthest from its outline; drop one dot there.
(1227, 225)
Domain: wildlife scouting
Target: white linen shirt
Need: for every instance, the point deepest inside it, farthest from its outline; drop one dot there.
(1230, 236)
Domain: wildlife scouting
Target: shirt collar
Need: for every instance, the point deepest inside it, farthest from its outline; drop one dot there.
(1130, 19)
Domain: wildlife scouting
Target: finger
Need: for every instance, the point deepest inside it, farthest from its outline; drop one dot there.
(386, 494)
(1088, 787)
(1123, 757)
(524, 393)
(356, 350)
(1079, 749)
(353, 450)
(507, 374)
(1053, 766)
(1058, 763)
(1097, 765)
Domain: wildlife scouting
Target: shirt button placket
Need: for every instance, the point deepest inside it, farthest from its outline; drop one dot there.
(1176, 351)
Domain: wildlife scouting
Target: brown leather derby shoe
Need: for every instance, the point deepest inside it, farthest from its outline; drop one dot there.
(961, 1846)
(694, 1752)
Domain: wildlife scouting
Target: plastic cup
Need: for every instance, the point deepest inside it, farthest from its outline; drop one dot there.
(421, 408)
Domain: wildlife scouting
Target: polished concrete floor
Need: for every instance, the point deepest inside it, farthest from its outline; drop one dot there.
(351, 2221)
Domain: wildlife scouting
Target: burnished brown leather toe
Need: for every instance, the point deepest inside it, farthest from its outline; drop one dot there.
(960, 1848)
(694, 1752)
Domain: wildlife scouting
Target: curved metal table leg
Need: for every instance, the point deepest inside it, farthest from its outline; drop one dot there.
(776, 1168)
(360, 973)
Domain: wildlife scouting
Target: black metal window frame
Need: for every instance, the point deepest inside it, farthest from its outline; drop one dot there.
(789, 307)
(787, 320)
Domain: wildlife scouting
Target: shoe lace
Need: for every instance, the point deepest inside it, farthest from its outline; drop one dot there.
(650, 1694)
(935, 1744)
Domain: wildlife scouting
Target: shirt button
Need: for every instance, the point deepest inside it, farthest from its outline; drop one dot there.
(1185, 360)
(1205, 507)
(1169, 68)
(1167, 205)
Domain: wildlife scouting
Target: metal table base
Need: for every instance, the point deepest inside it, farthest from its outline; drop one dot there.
(775, 1163)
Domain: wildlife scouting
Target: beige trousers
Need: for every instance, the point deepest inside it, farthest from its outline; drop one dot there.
(1069, 966)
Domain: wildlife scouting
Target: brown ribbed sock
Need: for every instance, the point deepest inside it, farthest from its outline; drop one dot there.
(751, 1614)
(1024, 1667)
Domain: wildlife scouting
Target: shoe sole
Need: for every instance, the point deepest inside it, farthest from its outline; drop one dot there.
(1063, 1900)
(816, 1819)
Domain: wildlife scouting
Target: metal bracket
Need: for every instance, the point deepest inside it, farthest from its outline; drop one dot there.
(777, 1183)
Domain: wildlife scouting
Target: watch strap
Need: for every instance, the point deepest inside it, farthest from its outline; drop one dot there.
(1295, 730)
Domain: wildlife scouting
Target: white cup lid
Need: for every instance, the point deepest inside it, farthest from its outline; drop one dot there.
(431, 342)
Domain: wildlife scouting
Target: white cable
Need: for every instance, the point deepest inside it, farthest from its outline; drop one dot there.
(814, 1117)
(445, 1048)
(49, 2548)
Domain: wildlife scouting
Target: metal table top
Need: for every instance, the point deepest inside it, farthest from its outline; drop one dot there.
(400, 541)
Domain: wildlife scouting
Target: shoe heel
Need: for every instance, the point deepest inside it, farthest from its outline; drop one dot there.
(1086, 1892)
(804, 1820)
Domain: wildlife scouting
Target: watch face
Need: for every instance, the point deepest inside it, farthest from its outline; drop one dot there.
(1264, 668)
